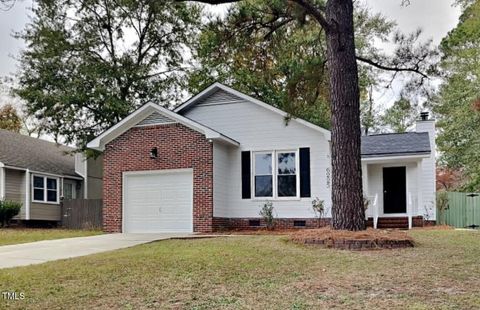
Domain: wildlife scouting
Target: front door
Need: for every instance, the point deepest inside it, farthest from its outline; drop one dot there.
(394, 190)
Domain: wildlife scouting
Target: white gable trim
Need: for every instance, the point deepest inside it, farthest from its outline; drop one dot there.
(131, 120)
(218, 86)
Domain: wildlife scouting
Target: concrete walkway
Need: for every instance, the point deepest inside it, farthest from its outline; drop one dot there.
(50, 250)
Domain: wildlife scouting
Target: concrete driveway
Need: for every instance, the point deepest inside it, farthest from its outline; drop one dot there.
(49, 250)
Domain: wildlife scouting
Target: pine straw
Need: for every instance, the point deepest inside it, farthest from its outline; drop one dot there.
(332, 236)
(259, 231)
(435, 227)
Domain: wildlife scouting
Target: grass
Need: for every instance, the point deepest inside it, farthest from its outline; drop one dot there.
(261, 272)
(16, 236)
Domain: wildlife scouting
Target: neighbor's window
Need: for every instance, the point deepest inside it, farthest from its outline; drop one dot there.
(69, 191)
(263, 175)
(45, 189)
(287, 174)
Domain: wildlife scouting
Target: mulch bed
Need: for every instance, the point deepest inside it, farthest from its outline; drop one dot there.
(370, 239)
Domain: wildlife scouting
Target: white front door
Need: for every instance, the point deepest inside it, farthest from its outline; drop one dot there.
(158, 201)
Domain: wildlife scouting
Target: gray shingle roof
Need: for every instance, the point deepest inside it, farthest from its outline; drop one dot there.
(396, 144)
(35, 154)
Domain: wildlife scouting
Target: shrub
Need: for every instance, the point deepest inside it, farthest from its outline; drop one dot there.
(8, 209)
(318, 207)
(266, 212)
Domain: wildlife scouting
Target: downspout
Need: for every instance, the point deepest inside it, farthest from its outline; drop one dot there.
(85, 180)
(2, 181)
(27, 194)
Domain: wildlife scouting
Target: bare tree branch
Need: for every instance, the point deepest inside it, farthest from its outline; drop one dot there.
(313, 10)
(387, 68)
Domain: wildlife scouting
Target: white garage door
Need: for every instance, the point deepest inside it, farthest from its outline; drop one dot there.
(158, 202)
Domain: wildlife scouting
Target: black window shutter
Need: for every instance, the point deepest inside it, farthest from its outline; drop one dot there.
(305, 172)
(246, 179)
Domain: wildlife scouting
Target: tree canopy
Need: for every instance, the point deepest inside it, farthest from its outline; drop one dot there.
(400, 116)
(272, 51)
(9, 118)
(458, 103)
(89, 63)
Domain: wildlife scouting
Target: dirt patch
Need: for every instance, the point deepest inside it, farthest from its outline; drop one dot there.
(369, 239)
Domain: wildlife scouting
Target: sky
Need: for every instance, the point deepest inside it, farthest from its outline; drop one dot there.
(435, 18)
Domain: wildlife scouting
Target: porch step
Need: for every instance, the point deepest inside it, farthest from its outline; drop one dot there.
(389, 222)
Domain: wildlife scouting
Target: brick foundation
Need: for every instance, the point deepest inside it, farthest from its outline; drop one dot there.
(221, 223)
(179, 147)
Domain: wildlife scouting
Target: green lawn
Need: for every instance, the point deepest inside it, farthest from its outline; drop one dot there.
(15, 236)
(258, 272)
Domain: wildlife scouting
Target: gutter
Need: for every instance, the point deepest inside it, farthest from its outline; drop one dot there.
(44, 173)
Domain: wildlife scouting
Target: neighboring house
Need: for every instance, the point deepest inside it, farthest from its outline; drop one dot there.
(213, 161)
(38, 174)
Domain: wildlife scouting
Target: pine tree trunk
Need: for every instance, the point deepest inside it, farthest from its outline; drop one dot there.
(347, 195)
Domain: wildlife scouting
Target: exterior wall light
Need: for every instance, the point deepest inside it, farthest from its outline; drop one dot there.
(153, 153)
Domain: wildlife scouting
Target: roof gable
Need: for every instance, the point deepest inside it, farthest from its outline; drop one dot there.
(155, 118)
(219, 97)
(152, 113)
(219, 91)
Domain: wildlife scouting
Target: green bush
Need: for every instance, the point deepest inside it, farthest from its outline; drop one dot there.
(318, 207)
(8, 209)
(266, 212)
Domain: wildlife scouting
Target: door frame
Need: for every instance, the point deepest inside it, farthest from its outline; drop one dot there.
(147, 172)
(406, 191)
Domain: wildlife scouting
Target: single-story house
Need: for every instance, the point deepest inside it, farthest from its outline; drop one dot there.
(215, 159)
(39, 173)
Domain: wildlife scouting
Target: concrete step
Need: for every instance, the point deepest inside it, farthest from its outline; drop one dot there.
(390, 222)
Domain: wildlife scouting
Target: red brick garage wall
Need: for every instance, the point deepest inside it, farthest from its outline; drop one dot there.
(178, 147)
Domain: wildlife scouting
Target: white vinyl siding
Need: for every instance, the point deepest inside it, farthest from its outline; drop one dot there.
(258, 129)
(155, 119)
(221, 177)
(428, 170)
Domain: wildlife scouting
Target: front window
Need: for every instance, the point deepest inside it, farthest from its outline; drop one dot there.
(263, 175)
(287, 177)
(45, 189)
(275, 174)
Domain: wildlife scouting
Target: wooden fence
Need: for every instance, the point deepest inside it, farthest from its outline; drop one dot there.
(462, 210)
(82, 214)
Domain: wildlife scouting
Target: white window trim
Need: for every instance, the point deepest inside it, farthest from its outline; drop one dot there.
(275, 174)
(45, 190)
(297, 175)
(254, 174)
